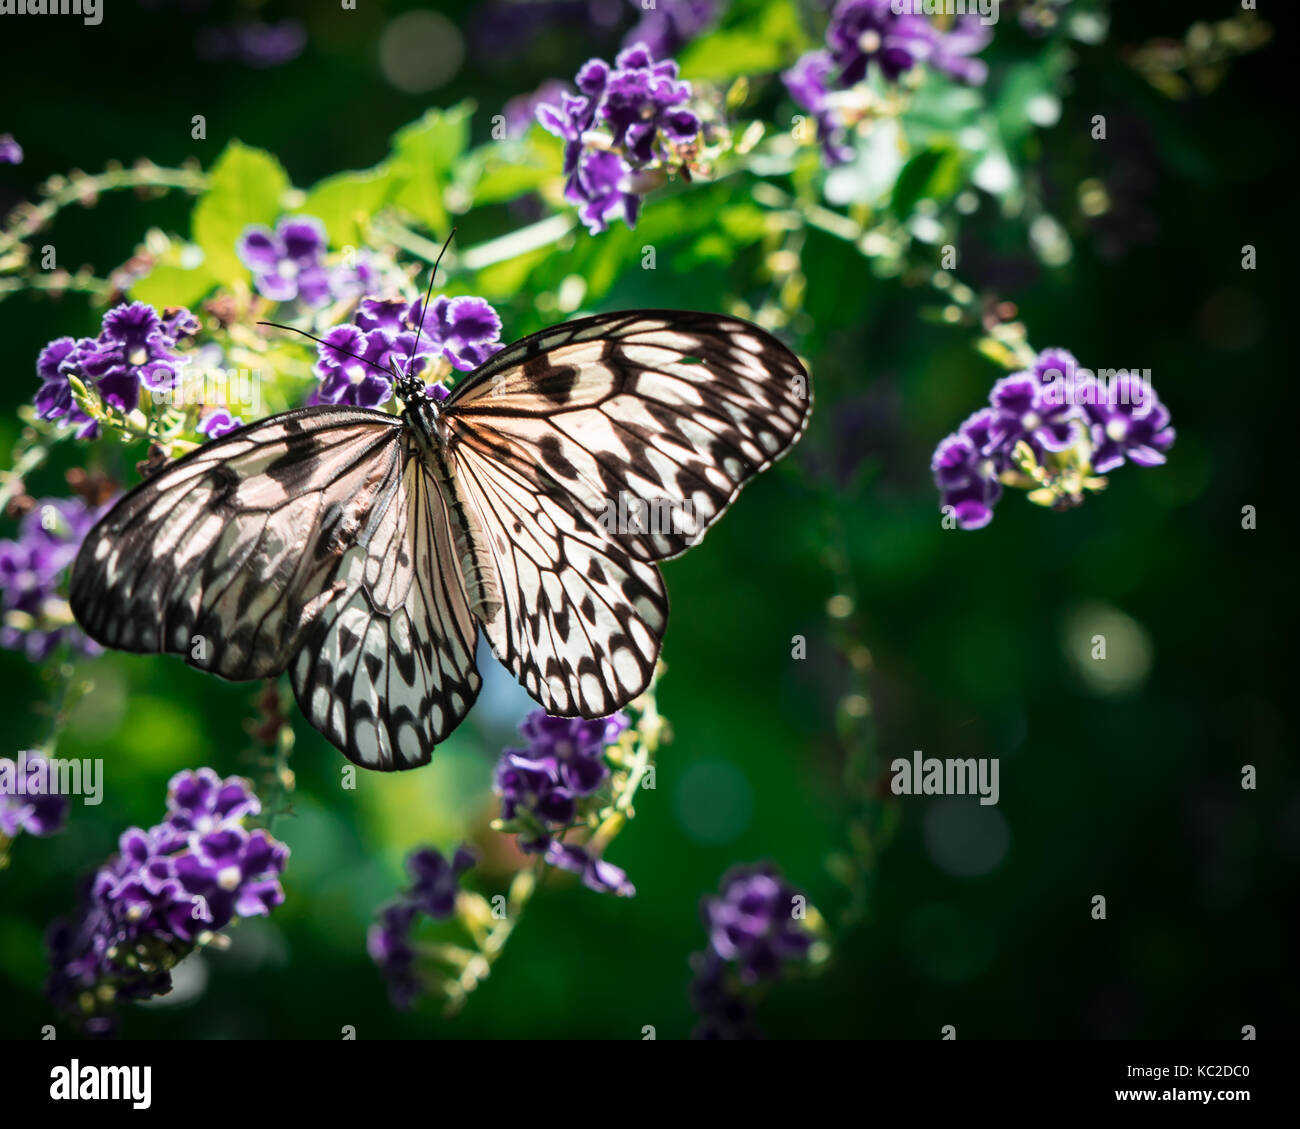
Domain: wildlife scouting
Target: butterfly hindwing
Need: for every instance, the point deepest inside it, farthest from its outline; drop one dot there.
(387, 669)
(581, 620)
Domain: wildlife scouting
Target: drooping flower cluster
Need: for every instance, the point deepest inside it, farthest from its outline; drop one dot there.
(435, 882)
(167, 891)
(11, 153)
(887, 37)
(543, 786)
(757, 925)
(32, 571)
(358, 360)
(288, 264)
(1049, 429)
(625, 129)
(136, 349)
(30, 799)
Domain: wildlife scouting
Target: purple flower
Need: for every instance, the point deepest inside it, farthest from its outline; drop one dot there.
(564, 761)
(968, 478)
(32, 569)
(755, 922)
(219, 422)
(199, 801)
(435, 881)
(11, 153)
(358, 362)
(951, 51)
(1127, 422)
(521, 111)
(29, 797)
(543, 785)
(165, 889)
(863, 32)
(1045, 422)
(435, 884)
(755, 927)
(388, 942)
(600, 189)
(533, 794)
(639, 107)
(575, 747)
(136, 349)
(809, 83)
(597, 874)
(287, 263)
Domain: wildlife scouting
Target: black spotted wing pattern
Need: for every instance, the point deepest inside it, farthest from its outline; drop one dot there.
(653, 418)
(237, 556)
(387, 668)
(581, 620)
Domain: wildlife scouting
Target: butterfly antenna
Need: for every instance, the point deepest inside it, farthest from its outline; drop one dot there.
(313, 337)
(424, 309)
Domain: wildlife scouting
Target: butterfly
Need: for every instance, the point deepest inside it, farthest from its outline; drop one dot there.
(362, 551)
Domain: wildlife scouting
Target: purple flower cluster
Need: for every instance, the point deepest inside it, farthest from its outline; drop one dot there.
(435, 882)
(625, 122)
(755, 929)
(11, 153)
(870, 35)
(543, 785)
(360, 361)
(29, 797)
(1053, 407)
(288, 264)
(135, 349)
(162, 894)
(32, 570)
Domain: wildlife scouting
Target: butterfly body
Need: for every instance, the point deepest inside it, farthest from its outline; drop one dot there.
(362, 552)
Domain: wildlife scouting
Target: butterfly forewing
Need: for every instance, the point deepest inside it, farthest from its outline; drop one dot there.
(246, 553)
(651, 420)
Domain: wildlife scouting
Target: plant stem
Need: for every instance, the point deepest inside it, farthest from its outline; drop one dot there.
(81, 188)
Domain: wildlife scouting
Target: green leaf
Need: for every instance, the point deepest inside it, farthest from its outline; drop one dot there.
(934, 174)
(424, 156)
(346, 202)
(246, 186)
(766, 38)
(169, 285)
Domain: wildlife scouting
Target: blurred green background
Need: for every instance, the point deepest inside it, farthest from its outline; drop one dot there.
(1127, 786)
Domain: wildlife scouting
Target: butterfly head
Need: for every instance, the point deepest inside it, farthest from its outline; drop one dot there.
(408, 386)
